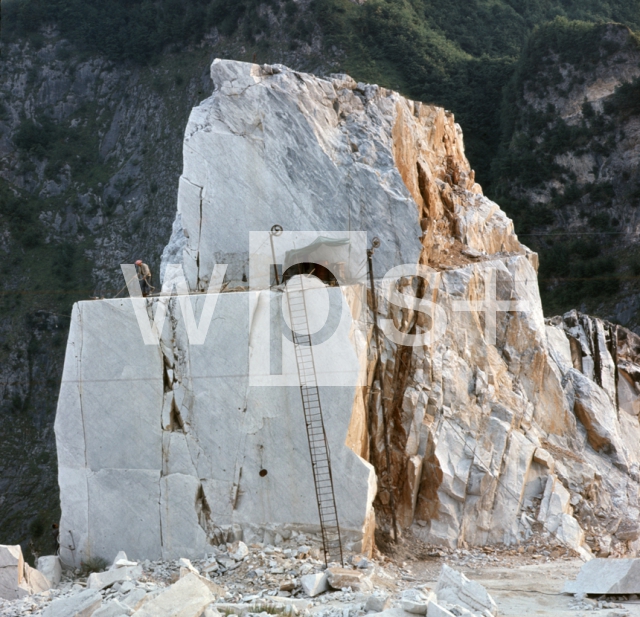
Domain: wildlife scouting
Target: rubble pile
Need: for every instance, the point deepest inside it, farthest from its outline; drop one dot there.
(291, 580)
(246, 580)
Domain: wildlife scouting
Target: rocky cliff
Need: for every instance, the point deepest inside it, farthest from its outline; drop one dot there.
(483, 423)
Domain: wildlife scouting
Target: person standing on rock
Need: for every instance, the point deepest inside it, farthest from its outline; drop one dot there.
(144, 276)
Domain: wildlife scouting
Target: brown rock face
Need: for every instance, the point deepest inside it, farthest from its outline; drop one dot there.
(487, 412)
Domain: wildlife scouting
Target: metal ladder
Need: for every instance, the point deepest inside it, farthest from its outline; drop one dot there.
(318, 447)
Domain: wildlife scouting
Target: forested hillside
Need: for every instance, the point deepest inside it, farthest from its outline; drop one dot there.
(95, 95)
(567, 170)
(456, 53)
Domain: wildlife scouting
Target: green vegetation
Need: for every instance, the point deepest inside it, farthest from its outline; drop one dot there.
(139, 30)
(94, 564)
(580, 266)
(578, 44)
(461, 54)
(456, 53)
(21, 217)
(61, 145)
(572, 270)
(626, 99)
(59, 273)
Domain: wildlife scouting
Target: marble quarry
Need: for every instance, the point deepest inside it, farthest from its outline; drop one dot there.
(494, 421)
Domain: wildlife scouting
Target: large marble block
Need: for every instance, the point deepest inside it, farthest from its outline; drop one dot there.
(164, 448)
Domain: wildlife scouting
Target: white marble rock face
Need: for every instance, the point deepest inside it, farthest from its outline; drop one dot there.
(161, 449)
(274, 147)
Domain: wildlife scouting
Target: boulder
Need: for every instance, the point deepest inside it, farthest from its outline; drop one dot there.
(455, 588)
(12, 585)
(544, 458)
(135, 598)
(628, 530)
(186, 567)
(341, 578)
(186, 598)
(51, 568)
(377, 602)
(572, 535)
(361, 562)
(121, 556)
(607, 577)
(239, 551)
(84, 604)
(102, 580)
(35, 580)
(314, 584)
(210, 567)
(555, 503)
(17, 578)
(415, 601)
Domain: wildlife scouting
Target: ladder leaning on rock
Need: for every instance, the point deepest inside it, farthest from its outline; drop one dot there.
(318, 446)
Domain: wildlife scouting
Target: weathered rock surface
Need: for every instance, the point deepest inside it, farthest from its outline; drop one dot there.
(186, 598)
(607, 577)
(51, 568)
(84, 604)
(603, 385)
(494, 419)
(455, 588)
(17, 578)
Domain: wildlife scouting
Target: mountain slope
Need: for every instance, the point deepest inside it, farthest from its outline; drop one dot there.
(568, 172)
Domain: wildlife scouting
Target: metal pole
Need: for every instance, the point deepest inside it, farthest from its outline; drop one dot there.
(276, 230)
(375, 243)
